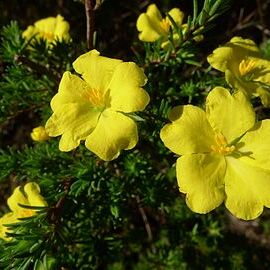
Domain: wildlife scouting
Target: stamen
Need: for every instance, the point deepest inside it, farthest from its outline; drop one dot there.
(246, 65)
(95, 97)
(47, 35)
(165, 25)
(221, 146)
(27, 212)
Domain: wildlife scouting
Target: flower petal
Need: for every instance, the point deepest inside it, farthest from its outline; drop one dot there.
(74, 121)
(153, 13)
(71, 89)
(96, 70)
(113, 133)
(232, 53)
(201, 177)
(29, 32)
(32, 191)
(46, 25)
(15, 199)
(8, 218)
(68, 141)
(232, 115)
(150, 26)
(255, 145)
(247, 189)
(126, 93)
(150, 31)
(61, 28)
(177, 16)
(189, 132)
(264, 95)
(261, 70)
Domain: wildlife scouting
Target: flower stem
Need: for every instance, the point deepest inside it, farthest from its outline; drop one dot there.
(90, 22)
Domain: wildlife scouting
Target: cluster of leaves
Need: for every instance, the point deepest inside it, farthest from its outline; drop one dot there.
(125, 214)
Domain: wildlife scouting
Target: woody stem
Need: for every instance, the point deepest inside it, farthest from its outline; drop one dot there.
(90, 22)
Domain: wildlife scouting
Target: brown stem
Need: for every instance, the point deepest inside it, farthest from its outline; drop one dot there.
(145, 219)
(260, 12)
(90, 22)
(243, 22)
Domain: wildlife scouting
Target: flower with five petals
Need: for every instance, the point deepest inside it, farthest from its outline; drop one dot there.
(225, 154)
(244, 67)
(95, 106)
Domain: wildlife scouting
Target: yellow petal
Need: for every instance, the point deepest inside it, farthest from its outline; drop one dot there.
(261, 70)
(153, 13)
(29, 32)
(255, 145)
(232, 115)
(8, 218)
(46, 25)
(232, 53)
(71, 89)
(15, 199)
(177, 16)
(150, 25)
(61, 30)
(149, 32)
(68, 142)
(75, 121)
(96, 70)
(32, 191)
(201, 177)
(126, 94)
(264, 95)
(189, 132)
(113, 133)
(247, 189)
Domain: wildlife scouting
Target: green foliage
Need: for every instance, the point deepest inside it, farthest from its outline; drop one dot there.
(124, 214)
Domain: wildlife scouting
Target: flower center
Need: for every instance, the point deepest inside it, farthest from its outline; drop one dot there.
(165, 25)
(47, 35)
(221, 146)
(246, 66)
(96, 98)
(26, 213)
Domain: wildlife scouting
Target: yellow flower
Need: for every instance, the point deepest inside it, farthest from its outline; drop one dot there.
(245, 68)
(30, 196)
(39, 134)
(225, 155)
(95, 105)
(152, 26)
(50, 29)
